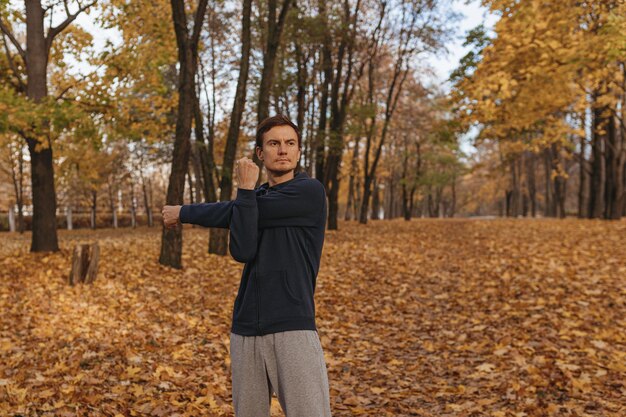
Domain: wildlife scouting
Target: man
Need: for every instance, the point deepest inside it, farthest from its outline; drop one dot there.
(278, 231)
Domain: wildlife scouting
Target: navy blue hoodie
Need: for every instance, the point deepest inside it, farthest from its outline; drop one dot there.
(278, 232)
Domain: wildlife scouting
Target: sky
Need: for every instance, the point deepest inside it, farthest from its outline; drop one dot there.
(473, 14)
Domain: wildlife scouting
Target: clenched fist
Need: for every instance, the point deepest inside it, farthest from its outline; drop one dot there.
(170, 216)
(247, 173)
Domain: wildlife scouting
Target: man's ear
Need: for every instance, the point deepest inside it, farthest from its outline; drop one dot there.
(259, 152)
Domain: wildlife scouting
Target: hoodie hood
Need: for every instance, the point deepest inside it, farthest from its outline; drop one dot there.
(264, 188)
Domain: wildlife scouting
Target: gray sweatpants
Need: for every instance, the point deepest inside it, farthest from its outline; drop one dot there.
(290, 364)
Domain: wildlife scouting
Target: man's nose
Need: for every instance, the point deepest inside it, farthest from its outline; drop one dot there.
(282, 148)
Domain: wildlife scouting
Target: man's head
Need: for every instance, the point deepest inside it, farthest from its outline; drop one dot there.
(278, 144)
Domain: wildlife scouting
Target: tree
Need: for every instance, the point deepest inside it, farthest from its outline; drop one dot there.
(219, 237)
(12, 167)
(35, 59)
(531, 89)
(171, 243)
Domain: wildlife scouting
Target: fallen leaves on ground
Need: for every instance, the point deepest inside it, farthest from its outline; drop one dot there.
(431, 317)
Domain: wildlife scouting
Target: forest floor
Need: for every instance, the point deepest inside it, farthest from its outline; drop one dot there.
(432, 317)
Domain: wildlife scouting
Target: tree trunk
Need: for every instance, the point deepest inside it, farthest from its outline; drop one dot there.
(389, 191)
(406, 213)
(406, 206)
(112, 205)
(94, 196)
(192, 197)
(549, 204)
(197, 171)
(516, 194)
(559, 183)
(172, 239)
(84, 264)
(11, 217)
(358, 198)
(614, 187)
(340, 98)
(375, 201)
(302, 78)
(203, 149)
(274, 33)
(393, 95)
(353, 173)
(204, 145)
(452, 210)
(530, 182)
(438, 201)
(18, 188)
(146, 201)
(38, 44)
(583, 188)
(508, 197)
(218, 238)
(309, 155)
(598, 169)
(133, 206)
(44, 222)
(348, 213)
(327, 68)
(68, 217)
(367, 180)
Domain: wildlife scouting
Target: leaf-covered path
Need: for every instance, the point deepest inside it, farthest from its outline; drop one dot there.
(428, 318)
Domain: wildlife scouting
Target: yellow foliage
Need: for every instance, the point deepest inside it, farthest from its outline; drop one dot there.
(545, 61)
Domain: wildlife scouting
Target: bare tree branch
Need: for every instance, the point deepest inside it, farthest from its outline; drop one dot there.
(197, 24)
(5, 29)
(54, 31)
(21, 85)
(51, 14)
(67, 9)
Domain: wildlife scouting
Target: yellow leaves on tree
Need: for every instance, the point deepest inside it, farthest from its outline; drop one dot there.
(545, 60)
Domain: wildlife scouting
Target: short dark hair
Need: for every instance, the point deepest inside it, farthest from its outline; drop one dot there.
(273, 121)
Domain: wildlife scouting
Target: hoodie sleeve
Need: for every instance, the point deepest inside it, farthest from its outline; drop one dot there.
(215, 214)
(239, 215)
(302, 203)
(244, 226)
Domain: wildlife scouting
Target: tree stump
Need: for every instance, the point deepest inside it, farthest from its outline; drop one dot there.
(84, 264)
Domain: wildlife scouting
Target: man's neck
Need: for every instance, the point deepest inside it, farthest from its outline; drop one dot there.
(277, 177)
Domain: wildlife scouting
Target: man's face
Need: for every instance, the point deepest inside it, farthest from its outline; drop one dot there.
(280, 152)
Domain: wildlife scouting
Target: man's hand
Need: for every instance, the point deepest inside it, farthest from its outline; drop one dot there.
(171, 216)
(247, 173)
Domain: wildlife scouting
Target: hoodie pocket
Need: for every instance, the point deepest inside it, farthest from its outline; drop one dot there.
(279, 297)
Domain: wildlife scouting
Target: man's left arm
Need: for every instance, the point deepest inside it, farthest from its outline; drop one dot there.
(239, 215)
(215, 214)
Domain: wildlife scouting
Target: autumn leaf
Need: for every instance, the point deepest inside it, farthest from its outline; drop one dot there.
(145, 339)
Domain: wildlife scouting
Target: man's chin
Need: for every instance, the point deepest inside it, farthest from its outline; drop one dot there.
(279, 172)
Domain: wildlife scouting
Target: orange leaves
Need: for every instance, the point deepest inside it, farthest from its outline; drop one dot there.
(429, 317)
